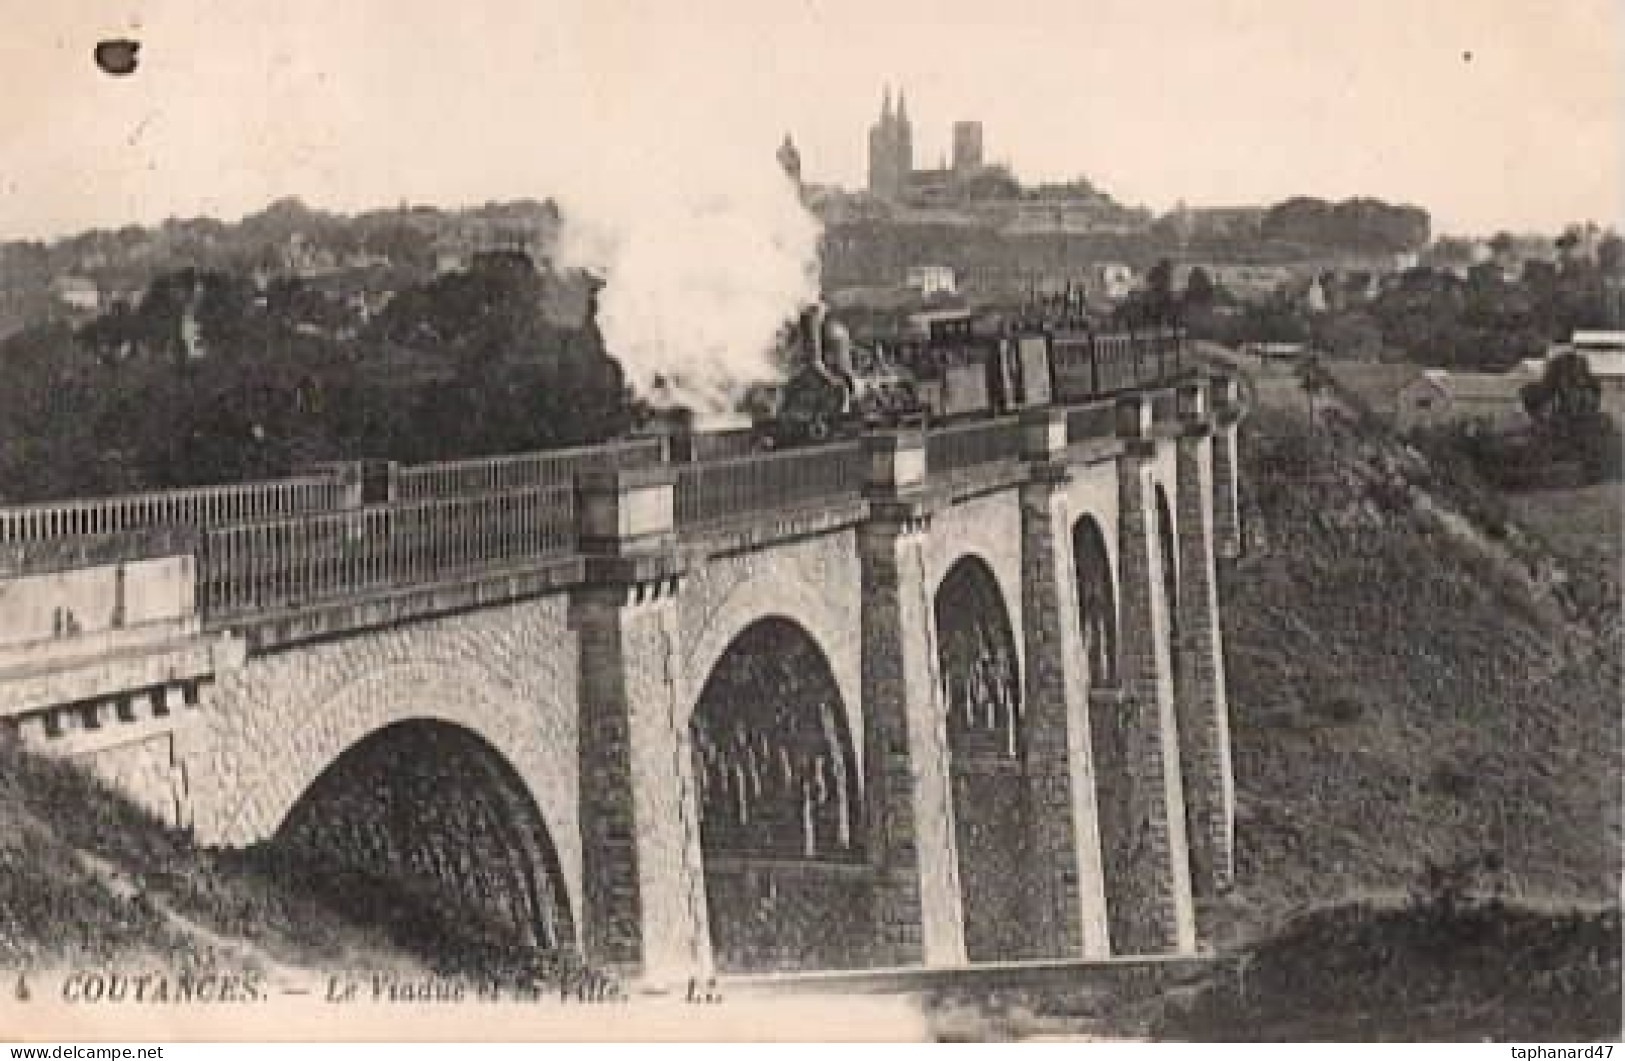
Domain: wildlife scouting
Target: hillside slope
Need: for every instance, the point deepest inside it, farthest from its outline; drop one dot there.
(89, 880)
(1415, 682)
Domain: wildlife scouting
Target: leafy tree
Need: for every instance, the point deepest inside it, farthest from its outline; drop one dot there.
(1199, 290)
(1315, 381)
(1354, 334)
(1611, 255)
(1566, 406)
(1356, 224)
(1567, 394)
(1159, 290)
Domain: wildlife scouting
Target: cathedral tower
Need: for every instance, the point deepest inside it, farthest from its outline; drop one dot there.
(891, 149)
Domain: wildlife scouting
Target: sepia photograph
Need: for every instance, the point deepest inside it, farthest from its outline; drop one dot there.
(811, 521)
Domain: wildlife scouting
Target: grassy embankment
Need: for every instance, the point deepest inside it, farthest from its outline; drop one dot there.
(88, 880)
(1425, 684)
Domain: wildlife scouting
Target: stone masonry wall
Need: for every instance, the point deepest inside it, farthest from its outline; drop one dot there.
(644, 898)
(988, 527)
(507, 673)
(147, 773)
(1066, 878)
(815, 582)
(1137, 744)
(1204, 718)
(918, 912)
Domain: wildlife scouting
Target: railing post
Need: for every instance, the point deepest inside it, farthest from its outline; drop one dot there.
(643, 903)
(896, 463)
(1043, 435)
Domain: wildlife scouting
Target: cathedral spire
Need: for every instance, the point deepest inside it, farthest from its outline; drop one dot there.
(885, 106)
(902, 105)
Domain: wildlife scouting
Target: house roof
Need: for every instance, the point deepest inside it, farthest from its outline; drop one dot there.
(1478, 386)
(1605, 364)
(1612, 340)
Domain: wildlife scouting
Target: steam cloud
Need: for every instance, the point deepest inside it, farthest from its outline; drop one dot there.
(703, 261)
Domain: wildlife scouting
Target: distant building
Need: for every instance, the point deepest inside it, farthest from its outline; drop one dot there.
(1278, 355)
(967, 146)
(77, 292)
(1613, 295)
(891, 149)
(1060, 218)
(930, 187)
(1221, 223)
(1491, 400)
(1314, 297)
(892, 175)
(303, 257)
(926, 322)
(1598, 344)
(1111, 280)
(790, 159)
(930, 279)
(1250, 283)
(1604, 353)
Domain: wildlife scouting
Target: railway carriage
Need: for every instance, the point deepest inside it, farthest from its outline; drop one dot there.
(958, 371)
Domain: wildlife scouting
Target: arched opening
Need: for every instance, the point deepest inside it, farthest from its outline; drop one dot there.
(981, 686)
(422, 829)
(1170, 577)
(787, 880)
(1097, 602)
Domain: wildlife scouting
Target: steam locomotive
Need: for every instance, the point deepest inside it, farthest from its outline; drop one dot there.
(962, 368)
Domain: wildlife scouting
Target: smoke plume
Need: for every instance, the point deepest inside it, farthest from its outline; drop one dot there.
(703, 259)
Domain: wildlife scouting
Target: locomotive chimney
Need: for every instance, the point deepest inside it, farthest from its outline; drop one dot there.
(812, 321)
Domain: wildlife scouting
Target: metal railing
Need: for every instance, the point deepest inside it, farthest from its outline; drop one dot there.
(1109, 363)
(719, 445)
(717, 491)
(971, 445)
(485, 475)
(1165, 406)
(1092, 421)
(286, 563)
(198, 506)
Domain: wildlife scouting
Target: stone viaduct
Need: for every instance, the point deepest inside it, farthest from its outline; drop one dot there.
(923, 698)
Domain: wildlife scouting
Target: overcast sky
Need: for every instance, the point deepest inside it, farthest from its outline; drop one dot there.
(1489, 113)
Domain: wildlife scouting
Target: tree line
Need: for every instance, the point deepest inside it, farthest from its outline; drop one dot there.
(209, 378)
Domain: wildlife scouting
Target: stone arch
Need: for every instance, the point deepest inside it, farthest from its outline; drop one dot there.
(776, 593)
(1097, 600)
(424, 829)
(980, 673)
(988, 531)
(269, 759)
(782, 821)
